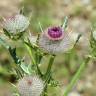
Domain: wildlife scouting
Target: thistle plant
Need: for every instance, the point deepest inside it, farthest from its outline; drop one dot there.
(53, 41)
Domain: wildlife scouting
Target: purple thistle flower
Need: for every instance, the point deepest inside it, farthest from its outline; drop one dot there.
(54, 40)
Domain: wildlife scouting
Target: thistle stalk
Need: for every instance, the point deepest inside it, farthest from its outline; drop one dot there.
(47, 75)
(50, 64)
(76, 76)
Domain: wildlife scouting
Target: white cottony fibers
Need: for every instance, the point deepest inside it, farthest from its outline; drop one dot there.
(57, 46)
(16, 24)
(30, 86)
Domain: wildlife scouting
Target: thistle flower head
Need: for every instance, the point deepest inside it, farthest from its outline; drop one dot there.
(30, 86)
(54, 40)
(16, 24)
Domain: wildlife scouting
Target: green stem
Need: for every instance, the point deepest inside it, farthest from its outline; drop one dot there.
(29, 48)
(33, 58)
(76, 76)
(36, 63)
(38, 70)
(47, 75)
(50, 64)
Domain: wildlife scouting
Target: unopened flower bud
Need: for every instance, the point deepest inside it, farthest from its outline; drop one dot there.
(16, 24)
(30, 86)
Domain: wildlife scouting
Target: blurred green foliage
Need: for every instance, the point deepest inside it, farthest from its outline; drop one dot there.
(40, 13)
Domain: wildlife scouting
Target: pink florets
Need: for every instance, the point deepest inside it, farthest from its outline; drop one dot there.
(55, 33)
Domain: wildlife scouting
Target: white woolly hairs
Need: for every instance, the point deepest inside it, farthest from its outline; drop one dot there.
(30, 86)
(16, 24)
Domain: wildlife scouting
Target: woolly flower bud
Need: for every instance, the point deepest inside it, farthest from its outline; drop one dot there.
(54, 40)
(16, 24)
(30, 86)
